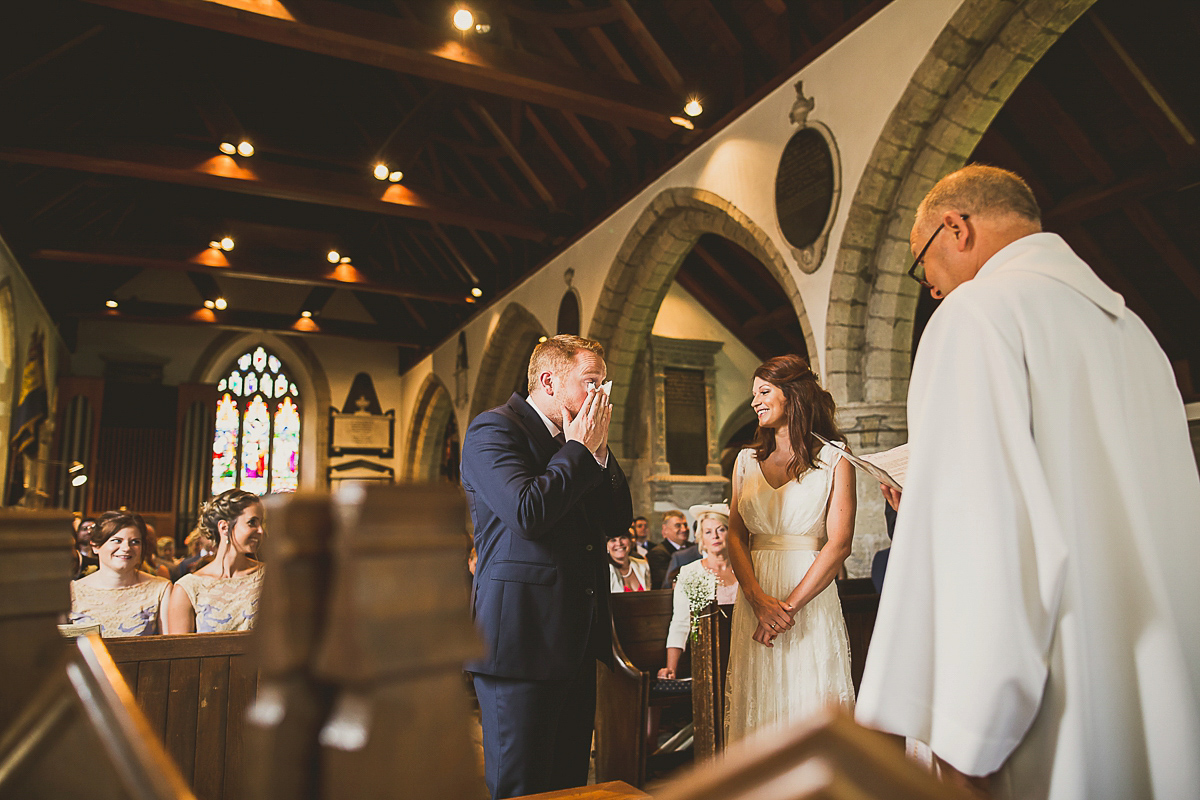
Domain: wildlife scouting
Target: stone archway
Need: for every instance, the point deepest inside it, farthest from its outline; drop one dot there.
(983, 53)
(505, 358)
(434, 409)
(642, 273)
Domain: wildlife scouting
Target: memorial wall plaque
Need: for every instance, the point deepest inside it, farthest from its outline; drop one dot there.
(361, 433)
(687, 421)
(804, 187)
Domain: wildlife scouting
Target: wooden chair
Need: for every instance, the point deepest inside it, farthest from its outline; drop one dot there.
(710, 661)
(830, 757)
(624, 698)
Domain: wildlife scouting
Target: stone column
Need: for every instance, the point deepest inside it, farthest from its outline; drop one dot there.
(869, 428)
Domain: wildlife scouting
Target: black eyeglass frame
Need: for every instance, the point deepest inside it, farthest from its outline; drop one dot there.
(912, 271)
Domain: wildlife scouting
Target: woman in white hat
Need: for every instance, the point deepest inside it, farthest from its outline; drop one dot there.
(712, 572)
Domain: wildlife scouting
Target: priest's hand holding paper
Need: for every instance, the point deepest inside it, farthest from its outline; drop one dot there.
(891, 495)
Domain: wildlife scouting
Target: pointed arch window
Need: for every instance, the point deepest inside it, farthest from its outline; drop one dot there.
(257, 442)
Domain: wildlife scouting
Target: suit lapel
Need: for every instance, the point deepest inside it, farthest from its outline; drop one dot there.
(533, 425)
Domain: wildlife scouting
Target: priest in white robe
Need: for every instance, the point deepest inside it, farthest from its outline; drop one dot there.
(1040, 621)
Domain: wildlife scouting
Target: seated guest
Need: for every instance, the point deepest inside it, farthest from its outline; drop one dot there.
(675, 537)
(150, 561)
(641, 536)
(223, 594)
(197, 555)
(119, 597)
(88, 562)
(166, 551)
(626, 573)
(713, 567)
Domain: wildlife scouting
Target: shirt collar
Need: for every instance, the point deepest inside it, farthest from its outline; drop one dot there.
(1048, 254)
(550, 426)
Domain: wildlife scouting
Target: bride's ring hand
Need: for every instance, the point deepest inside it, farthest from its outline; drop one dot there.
(764, 636)
(774, 613)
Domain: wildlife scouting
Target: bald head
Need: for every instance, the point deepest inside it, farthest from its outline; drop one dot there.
(967, 217)
(981, 191)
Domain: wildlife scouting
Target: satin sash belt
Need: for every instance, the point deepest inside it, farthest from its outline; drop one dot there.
(769, 541)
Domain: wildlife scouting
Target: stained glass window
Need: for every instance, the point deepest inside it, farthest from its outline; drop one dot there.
(257, 441)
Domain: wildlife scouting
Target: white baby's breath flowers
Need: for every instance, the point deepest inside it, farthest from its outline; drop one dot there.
(700, 589)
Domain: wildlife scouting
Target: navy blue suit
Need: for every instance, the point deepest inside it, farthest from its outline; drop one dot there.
(542, 512)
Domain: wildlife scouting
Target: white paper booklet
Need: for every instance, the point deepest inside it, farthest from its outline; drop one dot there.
(888, 467)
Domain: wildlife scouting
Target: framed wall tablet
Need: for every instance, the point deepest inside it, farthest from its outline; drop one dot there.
(361, 433)
(359, 471)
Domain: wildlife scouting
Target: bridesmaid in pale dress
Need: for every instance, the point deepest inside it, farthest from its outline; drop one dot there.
(119, 597)
(791, 527)
(223, 594)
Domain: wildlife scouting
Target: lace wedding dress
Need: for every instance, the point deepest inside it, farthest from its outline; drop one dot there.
(809, 666)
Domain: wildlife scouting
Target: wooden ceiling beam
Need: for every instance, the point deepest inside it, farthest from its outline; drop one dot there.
(236, 320)
(720, 311)
(554, 147)
(1041, 100)
(513, 153)
(1094, 202)
(1184, 269)
(231, 265)
(284, 182)
(407, 47)
(19, 74)
(649, 46)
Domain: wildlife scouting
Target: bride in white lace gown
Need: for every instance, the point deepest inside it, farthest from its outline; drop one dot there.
(791, 525)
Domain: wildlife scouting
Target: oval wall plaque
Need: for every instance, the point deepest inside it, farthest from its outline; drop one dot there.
(804, 188)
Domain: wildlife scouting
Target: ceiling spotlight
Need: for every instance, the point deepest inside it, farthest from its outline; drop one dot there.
(693, 107)
(306, 314)
(111, 303)
(463, 19)
(209, 304)
(476, 291)
(245, 149)
(381, 172)
(541, 339)
(333, 257)
(683, 122)
(76, 466)
(396, 176)
(226, 244)
(79, 480)
(228, 148)
(345, 259)
(214, 244)
(220, 304)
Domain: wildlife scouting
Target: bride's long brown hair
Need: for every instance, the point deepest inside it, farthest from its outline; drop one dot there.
(808, 409)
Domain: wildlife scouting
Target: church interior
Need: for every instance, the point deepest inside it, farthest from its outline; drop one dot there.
(296, 246)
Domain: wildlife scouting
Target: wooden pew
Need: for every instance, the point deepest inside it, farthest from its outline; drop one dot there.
(194, 690)
(860, 603)
(623, 695)
(828, 757)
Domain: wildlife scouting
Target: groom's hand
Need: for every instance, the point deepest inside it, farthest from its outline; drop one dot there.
(590, 426)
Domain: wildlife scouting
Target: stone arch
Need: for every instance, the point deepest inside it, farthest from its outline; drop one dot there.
(434, 409)
(644, 268)
(315, 395)
(979, 58)
(506, 357)
(9, 369)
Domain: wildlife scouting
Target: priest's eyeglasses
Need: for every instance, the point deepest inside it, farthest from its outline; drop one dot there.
(918, 262)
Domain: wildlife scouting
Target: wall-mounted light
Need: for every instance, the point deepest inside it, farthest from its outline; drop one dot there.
(228, 148)
(463, 19)
(245, 149)
(333, 256)
(476, 291)
(693, 107)
(683, 122)
(111, 303)
(381, 172)
(78, 475)
(221, 304)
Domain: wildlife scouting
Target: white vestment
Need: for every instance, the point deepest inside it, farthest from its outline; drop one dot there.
(1041, 611)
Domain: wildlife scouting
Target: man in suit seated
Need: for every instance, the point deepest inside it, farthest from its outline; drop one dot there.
(675, 538)
(545, 495)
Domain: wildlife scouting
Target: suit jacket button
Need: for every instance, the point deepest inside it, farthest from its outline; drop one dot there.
(589, 591)
(588, 548)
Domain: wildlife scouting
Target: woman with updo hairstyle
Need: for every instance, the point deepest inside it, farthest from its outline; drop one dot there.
(119, 597)
(791, 524)
(223, 594)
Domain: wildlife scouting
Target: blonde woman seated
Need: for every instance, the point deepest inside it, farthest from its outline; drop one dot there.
(118, 596)
(223, 594)
(713, 529)
(626, 572)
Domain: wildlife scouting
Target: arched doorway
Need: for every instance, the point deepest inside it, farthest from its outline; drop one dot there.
(433, 426)
(643, 270)
(505, 360)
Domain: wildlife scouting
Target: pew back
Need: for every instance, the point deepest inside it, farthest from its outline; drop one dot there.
(194, 690)
(640, 624)
(860, 602)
